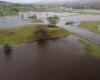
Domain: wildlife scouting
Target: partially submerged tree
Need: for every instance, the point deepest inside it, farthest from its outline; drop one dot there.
(35, 17)
(53, 21)
(41, 32)
(7, 48)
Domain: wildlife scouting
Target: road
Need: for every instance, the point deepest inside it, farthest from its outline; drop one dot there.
(91, 36)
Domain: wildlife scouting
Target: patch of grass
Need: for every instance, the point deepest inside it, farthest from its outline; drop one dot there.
(27, 34)
(16, 35)
(9, 11)
(90, 48)
(91, 25)
(57, 32)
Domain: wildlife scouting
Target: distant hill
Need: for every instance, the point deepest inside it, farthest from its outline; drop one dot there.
(79, 4)
(84, 4)
(88, 1)
(5, 3)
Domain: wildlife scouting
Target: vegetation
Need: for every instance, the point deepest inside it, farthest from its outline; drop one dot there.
(90, 48)
(5, 11)
(28, 34)
(41, 32)
(91, 25)
(7, 48)
(83, 6)
(57, 32)
(16, 35)
(53, 21)
(15, 8)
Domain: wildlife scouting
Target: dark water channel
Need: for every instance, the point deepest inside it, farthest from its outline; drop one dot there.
(49, 60)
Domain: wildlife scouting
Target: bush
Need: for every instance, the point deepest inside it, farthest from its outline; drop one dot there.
(41, 32)
(7, 48)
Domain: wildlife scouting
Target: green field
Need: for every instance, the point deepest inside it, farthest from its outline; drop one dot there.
(9, 11)
(13, 10)
(91, 25)
(90, 48)
(26, 34)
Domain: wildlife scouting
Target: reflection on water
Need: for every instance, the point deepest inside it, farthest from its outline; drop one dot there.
(8, 56)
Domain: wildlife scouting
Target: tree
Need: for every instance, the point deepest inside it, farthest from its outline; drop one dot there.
(53, 21)
(41, 32)
(2, 11)
(35, 17)
(7, 48)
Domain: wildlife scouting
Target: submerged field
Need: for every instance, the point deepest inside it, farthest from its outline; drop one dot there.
(27, 34)
(91, 25)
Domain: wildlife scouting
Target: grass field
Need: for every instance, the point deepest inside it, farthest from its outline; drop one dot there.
(91, 25)
(90, 48)
(87, 11)
(13, 10)
(9, 11)
(26, 34)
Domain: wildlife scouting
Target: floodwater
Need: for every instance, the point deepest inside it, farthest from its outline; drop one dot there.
(13, 21)
(58, 59)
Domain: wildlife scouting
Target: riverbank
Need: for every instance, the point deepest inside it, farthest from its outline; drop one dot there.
(26, 34)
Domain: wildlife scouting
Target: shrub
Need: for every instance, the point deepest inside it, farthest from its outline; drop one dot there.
(7, 48)
(41, 32)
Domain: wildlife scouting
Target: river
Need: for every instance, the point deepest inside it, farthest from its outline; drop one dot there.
(58, 59)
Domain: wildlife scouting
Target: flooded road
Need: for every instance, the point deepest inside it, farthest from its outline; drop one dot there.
(58, 59)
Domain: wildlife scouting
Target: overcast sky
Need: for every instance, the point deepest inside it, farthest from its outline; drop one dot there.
(29, 1)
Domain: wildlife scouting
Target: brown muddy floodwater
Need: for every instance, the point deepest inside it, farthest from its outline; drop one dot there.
(48, 60)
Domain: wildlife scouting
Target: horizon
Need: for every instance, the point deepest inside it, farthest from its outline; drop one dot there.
(33, 1)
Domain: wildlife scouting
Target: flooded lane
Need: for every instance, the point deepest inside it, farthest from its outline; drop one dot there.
(57, 59)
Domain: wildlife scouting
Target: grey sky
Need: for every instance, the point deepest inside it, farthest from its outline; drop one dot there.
(29, 1)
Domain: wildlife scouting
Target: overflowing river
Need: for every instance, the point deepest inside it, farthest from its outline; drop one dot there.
(12, 21)
(58, 59)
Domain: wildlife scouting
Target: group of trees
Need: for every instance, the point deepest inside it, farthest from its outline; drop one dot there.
(53, 21)
(41, 31)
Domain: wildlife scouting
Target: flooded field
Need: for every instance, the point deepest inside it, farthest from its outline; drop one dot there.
(58, 59)
(11, 21)
(49, 60)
